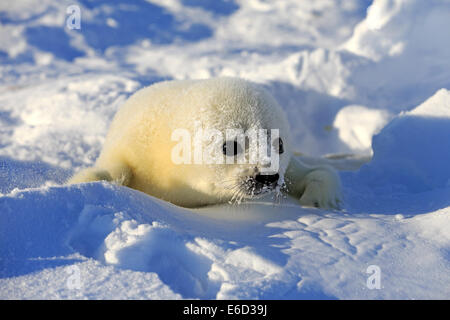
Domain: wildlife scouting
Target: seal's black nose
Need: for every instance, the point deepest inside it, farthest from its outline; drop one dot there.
(267, 179)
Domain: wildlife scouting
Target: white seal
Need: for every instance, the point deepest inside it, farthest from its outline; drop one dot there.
(157, 123)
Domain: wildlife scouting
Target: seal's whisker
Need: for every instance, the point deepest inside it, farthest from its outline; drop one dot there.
(235, 196)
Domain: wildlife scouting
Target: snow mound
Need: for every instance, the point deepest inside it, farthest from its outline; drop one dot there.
(407, 51)
(412, 153)
(358, 124)
(194, 254)
(394, 27)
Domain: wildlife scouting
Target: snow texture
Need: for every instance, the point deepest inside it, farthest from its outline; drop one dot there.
(365, 86)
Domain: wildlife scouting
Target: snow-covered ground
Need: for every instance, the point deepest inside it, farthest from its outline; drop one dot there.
(344, 71)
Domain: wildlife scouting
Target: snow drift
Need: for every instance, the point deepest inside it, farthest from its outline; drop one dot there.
(413, 150)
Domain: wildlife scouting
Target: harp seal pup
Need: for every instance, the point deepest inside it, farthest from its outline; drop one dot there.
(138, 150)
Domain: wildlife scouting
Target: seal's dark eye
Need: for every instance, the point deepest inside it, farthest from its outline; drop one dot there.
(231, 148)
(278, 145)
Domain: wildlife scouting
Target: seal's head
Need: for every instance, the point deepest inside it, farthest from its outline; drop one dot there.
(245, 141)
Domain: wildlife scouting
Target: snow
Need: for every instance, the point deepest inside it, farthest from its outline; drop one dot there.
(356, 78)
(357, 125)
(405, 156)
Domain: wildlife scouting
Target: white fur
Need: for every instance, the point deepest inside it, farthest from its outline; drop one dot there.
(137, 151)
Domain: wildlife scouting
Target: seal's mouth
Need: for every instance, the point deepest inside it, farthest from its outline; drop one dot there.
(251, 187)
(260, 184)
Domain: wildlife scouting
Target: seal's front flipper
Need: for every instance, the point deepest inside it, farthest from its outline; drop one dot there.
(322, 189)
(120, 175)
(313, 186)
(89, 175)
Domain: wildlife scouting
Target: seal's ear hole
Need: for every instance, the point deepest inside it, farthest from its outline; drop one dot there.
(278, 145)
(231, 148)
